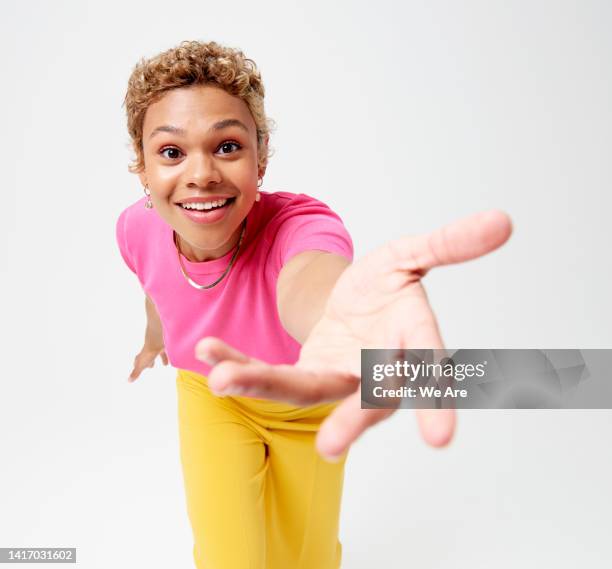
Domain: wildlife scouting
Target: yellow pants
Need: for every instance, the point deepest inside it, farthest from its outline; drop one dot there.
(258, 494)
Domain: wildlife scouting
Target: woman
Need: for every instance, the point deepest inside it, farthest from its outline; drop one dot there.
(267, 275)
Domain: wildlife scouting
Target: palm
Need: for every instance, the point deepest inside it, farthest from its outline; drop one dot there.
(378, 302)
(389, 311)
(366, 312)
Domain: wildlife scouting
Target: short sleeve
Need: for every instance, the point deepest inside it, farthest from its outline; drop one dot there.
(121, 235)
(316, 227)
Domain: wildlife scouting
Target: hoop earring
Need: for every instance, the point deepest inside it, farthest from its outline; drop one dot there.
(259, 183)
(148, 203)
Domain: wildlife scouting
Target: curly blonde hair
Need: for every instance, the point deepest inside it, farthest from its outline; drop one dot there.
(195, 63)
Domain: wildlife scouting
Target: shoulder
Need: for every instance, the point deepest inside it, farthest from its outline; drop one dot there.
(134, 214)
(286, 204)
(299, 222)
(135, 227)
(283, 212)
(136, 220)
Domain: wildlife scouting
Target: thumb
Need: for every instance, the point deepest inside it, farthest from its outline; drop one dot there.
(462, 240)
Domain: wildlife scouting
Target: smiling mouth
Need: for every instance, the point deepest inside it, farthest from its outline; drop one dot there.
(201, 207)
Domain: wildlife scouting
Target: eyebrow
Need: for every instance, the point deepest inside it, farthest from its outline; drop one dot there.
(225, 123)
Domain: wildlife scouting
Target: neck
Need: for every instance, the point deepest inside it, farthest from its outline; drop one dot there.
(199, 255)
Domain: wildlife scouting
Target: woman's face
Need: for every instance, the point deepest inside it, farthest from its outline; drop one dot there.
(200, 145)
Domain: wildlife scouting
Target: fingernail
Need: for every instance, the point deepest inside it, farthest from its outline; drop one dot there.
(207, 358)
(218, 388)
(233, 390)
(227, 389)
(333, 458)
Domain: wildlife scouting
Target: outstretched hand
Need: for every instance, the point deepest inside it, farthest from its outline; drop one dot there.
(378, 302)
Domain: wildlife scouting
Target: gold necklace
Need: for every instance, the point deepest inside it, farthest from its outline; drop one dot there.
(199, 286)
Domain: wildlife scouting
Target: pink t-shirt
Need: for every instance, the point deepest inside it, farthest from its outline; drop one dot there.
(241, 310)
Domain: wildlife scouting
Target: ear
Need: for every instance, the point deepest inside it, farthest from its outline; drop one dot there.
(143, 178)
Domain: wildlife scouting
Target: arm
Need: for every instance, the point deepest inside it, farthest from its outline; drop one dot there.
(153, 343)
(393, 311)
(303, 287)
(153, 333)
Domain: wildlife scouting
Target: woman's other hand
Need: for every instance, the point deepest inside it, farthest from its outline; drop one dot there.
(146, 358)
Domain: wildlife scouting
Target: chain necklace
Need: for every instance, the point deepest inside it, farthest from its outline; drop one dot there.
(202, 287)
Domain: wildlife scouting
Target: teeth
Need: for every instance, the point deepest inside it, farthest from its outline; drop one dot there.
(204, 205)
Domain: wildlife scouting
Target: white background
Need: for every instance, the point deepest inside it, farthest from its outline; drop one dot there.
(401, 118)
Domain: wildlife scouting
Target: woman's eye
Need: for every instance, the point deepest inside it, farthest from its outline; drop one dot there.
(171, 153)
(226, 146)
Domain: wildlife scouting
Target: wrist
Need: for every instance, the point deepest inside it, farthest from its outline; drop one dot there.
(154, 339)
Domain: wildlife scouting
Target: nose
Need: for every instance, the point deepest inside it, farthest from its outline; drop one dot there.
(202, 171)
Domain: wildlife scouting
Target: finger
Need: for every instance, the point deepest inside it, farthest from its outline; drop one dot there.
(345, 425)
(134, 374)
(140, 362)
(437, 426)
(213, 350)
(280, 382)
(462, 240)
